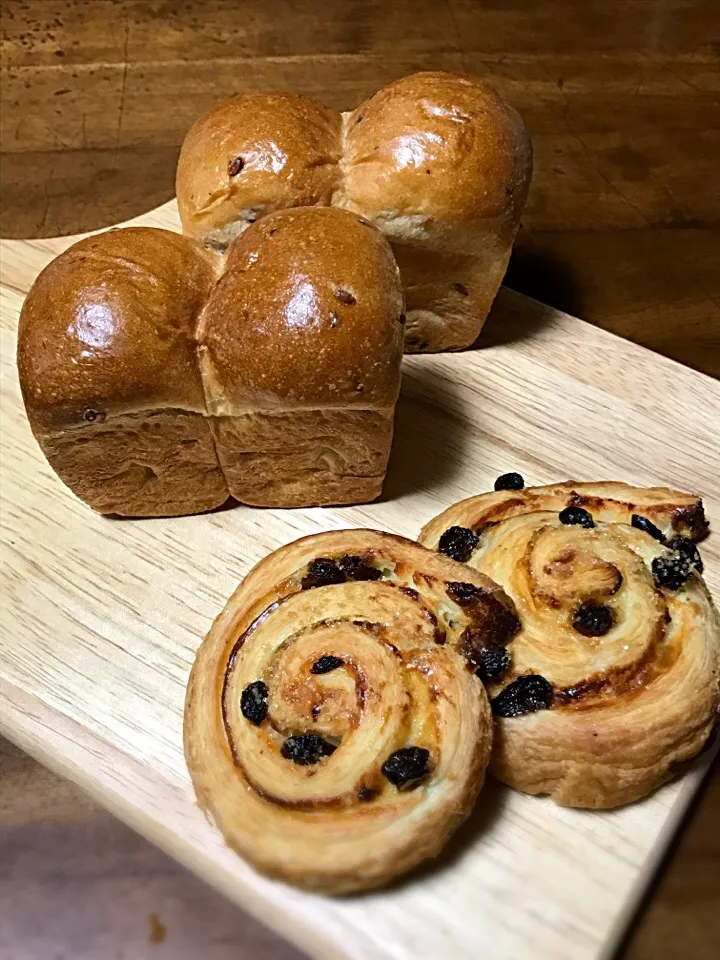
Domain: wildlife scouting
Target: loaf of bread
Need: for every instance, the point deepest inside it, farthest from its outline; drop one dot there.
(439, 163)
(160, 378)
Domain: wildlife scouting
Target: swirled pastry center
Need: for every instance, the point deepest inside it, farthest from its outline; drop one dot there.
(611, 683)
(552, 570)
(386, 693)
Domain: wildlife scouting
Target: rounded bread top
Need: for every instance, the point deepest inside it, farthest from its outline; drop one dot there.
(308, 313)
(109, 327)
(436, 146)
(255, 154)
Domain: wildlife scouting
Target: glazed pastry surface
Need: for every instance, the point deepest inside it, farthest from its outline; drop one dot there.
(333, 729)
(611, 685)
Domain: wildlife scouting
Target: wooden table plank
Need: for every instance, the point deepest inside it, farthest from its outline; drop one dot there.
(75, 882)
(622, 99)
(548, 395)
(61, 850)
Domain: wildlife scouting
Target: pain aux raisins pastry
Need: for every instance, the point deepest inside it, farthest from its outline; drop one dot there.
(611, 684)
(441, 164)
(160, 379)
(333, 730)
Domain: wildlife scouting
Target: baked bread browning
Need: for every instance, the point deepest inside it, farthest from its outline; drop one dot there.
(158, 385)
(333, 732)
(109, 374)
(612, 682)
(438, 162)
(252, 155)
(323, 326)
(442, 165)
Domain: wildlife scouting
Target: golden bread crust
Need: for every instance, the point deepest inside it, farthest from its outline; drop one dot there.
(313, 297)
(252, 155)
(109, 326)
(438, 162)
(157, 385)
(440, 146)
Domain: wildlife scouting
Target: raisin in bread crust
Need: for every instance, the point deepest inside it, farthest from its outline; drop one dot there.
(441, 164)
(160, 379)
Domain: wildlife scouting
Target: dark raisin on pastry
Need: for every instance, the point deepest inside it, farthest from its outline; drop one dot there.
(458, 543)
(463, 593)
(593, 619)
(410, 592)
(492, 663)
(93, 416)
(407, 767)
(527, 694)
(671, 571)
(493, 627)
(692, 520)
(253, 702)
(235, 166)
(688, 549)
(306, 748)
(321, 573)
(642, 523)
(355, 568)
(576, 516)
(510, 481)
(326, 664)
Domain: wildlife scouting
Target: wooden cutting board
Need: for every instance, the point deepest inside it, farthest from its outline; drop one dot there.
(100, 620)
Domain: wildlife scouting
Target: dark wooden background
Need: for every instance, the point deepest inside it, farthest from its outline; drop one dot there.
(622, 228)
(621, 97)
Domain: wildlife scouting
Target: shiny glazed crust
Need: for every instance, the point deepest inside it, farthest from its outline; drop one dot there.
(438, 162)
(339, 824)
(286, 148)
(160, 378)
(630, 707)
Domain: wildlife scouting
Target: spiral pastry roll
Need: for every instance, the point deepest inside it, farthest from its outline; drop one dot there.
(332, 728)
(611, 684)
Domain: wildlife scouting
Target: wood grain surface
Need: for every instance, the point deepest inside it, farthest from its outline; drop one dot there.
(622, 99)
(77, 884)
(107, 894)
(101, 619)
(621, 228)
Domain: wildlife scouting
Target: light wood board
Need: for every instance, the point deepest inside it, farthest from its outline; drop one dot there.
(100, 620)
